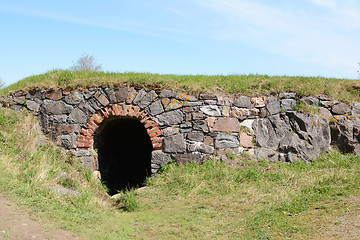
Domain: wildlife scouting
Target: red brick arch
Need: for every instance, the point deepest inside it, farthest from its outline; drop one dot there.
(86, 136)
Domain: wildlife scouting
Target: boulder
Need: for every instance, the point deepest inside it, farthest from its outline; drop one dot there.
(304, 135)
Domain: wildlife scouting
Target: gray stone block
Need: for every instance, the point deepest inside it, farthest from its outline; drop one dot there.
(160, 158)
(174, 144)
(74, 98)
(86, 162)
(167, 94)
(243, 102)
(211, 110)
(288, 104)
(195, 136)
(200, 147)
(60, 118)
(312, 101)
(226, 141)
(56, 107)
(170, 118)
(155, 108)
(110, 94)
(77, 116)
(32, 105)
(147, 99)
(273, 107)
(101, 98)
(340, 109)
(287, 95)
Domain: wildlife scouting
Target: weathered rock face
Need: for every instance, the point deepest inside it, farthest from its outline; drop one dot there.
(291, 136)
(188, 129)
(345, 134)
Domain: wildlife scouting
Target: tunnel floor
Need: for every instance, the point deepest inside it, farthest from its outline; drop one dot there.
(124, 153)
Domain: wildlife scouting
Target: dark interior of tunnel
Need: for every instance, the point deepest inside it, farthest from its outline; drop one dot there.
(124, 153)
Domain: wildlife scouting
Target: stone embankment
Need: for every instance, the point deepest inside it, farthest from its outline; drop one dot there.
(189, 128)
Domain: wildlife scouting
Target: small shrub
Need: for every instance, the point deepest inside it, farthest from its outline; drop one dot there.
(128, 200)
(230, 155)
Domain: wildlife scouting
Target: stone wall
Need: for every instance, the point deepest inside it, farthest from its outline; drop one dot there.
(188, 128)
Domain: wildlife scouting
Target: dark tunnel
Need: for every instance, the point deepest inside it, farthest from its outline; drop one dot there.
(124, 153)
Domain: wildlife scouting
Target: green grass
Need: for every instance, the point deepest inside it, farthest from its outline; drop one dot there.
(253, 85)
(250, 200)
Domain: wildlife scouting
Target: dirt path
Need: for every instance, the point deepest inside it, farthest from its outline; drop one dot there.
(16, 223)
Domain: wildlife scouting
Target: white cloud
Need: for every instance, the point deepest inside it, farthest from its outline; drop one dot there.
(303, 34)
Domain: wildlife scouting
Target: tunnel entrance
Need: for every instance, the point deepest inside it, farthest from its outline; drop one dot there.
(124, 153)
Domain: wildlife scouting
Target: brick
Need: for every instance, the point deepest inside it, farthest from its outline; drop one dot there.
(149, 124)
(85, 132)
(157, 146)
(137, 115)
(120, 109)
(136, 109)
(157, 140)
(143, 114)
(97, 118)
(103, 113)
(110, 111)
(92, 125)
(113, 109)
(131, 111)
(154, 139)
(154, 132)
(144, 119)
(127, 110)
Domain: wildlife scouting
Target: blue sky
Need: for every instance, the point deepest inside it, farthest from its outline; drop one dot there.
(273, 37)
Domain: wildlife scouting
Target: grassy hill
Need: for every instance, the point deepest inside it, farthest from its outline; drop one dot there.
(248, 200)
(252, 85)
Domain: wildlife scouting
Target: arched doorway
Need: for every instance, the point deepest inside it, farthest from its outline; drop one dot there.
(124, 152)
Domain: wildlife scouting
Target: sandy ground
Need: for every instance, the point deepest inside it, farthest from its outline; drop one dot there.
(16, 223)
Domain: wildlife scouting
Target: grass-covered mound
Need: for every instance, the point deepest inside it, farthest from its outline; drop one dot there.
(252, 85)
(248, 200)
